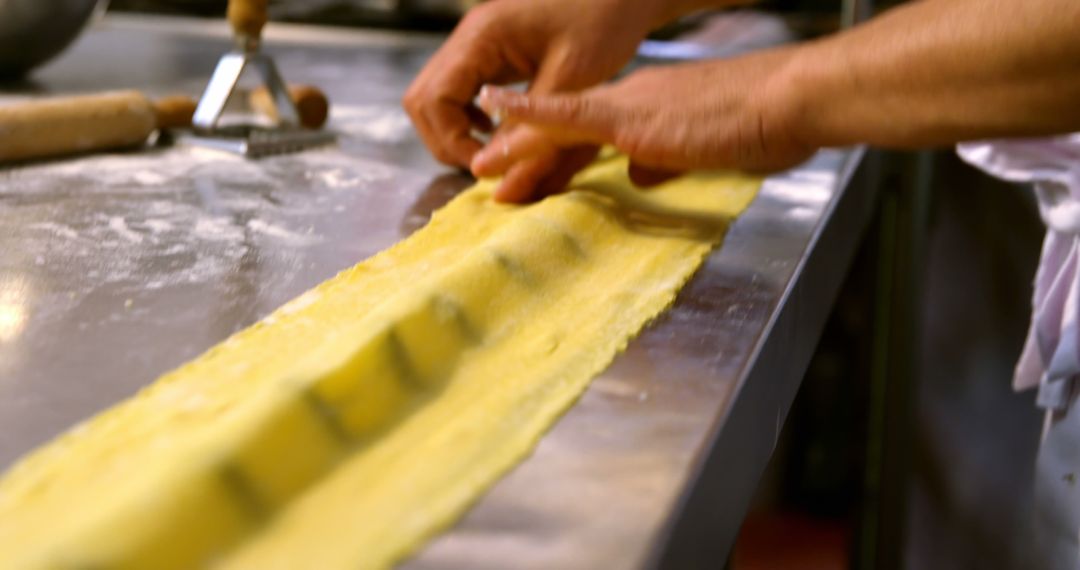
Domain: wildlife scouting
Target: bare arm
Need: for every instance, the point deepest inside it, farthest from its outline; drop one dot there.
(928, 73)
(555, 45)
(941, 71)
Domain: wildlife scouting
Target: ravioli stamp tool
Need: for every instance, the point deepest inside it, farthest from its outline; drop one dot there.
(285, 132)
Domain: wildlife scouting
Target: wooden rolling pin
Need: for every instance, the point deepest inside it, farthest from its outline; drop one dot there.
(68, 125)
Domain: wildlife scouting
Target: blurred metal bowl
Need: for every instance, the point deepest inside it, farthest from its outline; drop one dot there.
(34, 31)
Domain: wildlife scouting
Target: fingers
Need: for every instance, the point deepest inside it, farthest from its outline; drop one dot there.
(646, 176)
(523, 142)
(509, 146)
(453, 133)
(445, 117)
(570, 162)
(544, 124)
(439, 101)
(516, 142)
(536, 168)
(544, 175)
(522, 180)
(445, 130)
(428, 111)
(479, 119)
(582, 117)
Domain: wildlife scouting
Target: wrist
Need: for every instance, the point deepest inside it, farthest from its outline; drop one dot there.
(816, 90)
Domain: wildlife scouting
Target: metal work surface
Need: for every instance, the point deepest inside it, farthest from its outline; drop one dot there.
(117, 268)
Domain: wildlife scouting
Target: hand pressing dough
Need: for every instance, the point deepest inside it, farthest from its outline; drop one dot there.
(368, 414)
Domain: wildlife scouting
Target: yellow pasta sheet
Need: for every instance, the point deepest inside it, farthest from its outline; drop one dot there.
(366, 415)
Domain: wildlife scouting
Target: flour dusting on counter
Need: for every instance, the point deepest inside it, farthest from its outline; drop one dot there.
(378, 123)
(117, 224)
(187, 216)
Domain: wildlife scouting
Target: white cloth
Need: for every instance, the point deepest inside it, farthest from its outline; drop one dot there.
(1051, 356)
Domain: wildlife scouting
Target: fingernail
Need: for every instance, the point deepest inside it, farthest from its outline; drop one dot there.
(501, 194)
(478, 162)
(484, 98)
(489, 91)
(493, 98)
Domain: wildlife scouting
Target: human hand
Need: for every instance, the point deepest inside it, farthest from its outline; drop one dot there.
(558, 45)
(736, 113)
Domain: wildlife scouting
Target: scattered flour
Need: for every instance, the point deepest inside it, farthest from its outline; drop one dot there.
(280, 233)
(217, 229)
(378, 123)
(117, 224)
(149, 178)
(160, 217)
(56, 229)
(157, 226)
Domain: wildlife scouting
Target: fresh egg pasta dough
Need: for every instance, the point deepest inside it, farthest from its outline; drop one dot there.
(366, 415)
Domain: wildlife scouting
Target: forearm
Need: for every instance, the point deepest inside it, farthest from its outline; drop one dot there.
(941, 71)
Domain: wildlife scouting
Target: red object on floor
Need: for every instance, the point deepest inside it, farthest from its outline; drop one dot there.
(789, 541)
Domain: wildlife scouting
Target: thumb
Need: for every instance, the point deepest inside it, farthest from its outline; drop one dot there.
(580, 117)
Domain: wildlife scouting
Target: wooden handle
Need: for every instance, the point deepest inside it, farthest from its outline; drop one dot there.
(84, 123)
(66, 125)
(311, 104)
(174, 112)
(247, 17)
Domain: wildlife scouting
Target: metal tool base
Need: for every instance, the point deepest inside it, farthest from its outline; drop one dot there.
(254, 142)
(250, 140)
(223, 83)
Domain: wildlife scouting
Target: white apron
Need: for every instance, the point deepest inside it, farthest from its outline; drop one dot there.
(1050, 361)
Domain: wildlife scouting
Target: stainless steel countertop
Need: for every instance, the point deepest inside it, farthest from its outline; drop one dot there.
(116, 268)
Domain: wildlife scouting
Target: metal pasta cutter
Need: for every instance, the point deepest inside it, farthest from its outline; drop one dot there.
(247, 18)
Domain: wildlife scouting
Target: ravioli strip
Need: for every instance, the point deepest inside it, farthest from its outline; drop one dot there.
(366, 415)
